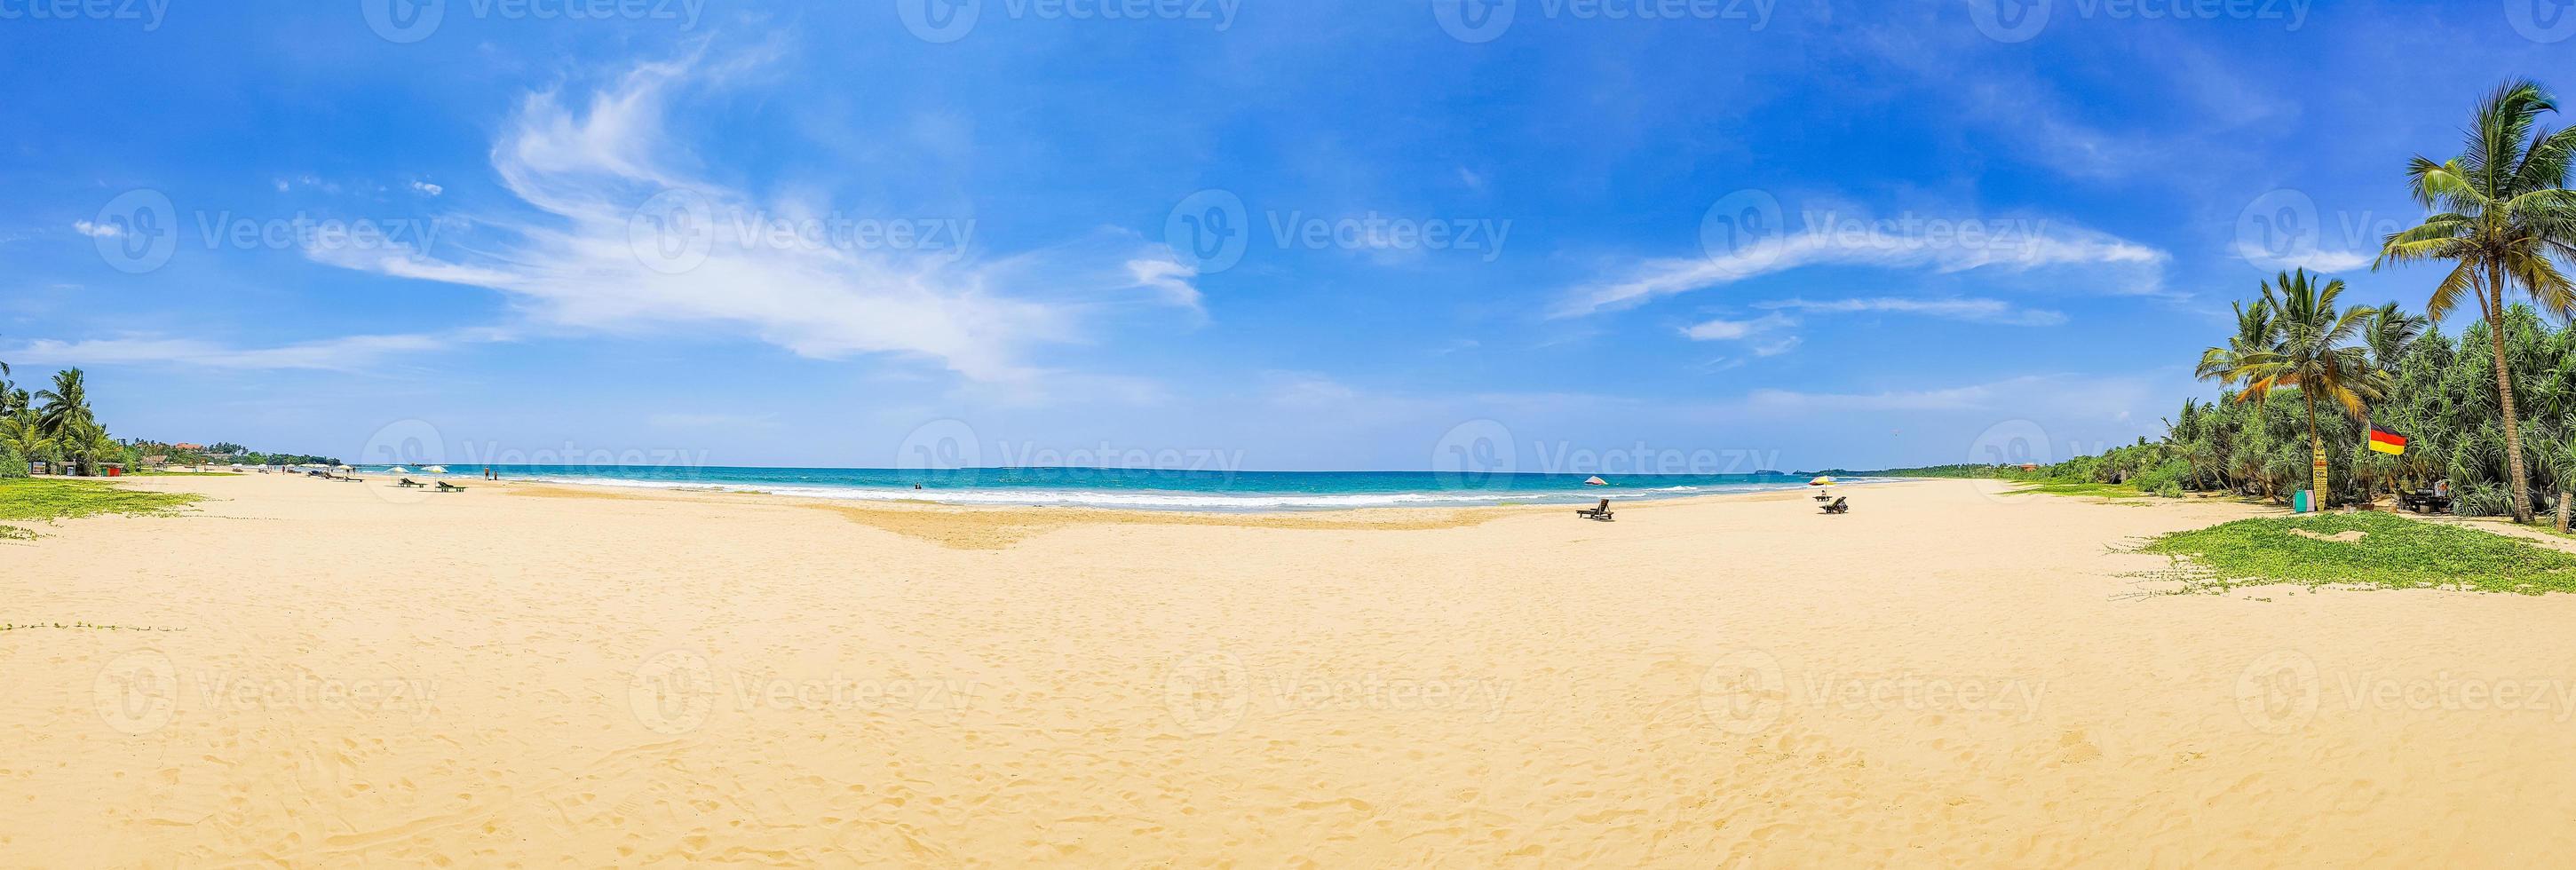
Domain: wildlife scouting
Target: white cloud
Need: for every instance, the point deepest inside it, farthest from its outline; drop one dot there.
(1829, 239)
(1166, 275)
(97, 230)
(2319, 261)
(606, 255)
(1969, 309)
(2049, 395)
(427, 189)
(1736, 330)
(348, 353)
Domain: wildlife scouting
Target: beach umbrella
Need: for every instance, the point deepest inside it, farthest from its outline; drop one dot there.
(1821, 480)
(397, 470)
(1595, 481)
(434, 469)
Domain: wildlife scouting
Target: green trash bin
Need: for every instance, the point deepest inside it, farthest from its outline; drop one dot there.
(2300, 502)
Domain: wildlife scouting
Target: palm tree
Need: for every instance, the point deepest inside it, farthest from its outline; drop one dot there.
(2389, 333)
(24, 436)
(11, 398)
(66, 416)
(2313, 356)
(2501, 211)
(2255, 331)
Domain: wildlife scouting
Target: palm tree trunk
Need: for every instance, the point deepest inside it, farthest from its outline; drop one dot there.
(2316, 453)
(2562, 511)
(2504, 390)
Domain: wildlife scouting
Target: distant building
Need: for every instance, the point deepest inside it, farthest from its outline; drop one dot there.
(187, 446)
(2029, 466)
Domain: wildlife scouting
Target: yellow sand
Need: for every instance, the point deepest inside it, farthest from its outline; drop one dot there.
(1946, 676)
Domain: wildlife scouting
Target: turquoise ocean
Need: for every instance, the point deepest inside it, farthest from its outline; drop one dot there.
(1151, 489)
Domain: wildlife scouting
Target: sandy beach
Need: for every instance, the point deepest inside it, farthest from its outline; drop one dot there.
(317, 673)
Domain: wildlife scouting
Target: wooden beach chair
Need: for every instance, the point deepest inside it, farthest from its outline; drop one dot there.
(1840, 506)
(408, 483)
(1601, 512)
(444, 486)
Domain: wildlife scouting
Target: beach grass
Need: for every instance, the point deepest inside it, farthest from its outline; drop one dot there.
(50, 499)
(2078, 488)
(2390, 552)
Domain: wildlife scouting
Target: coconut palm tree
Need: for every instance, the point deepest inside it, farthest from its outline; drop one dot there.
(2313, 355)
(2255, 332)
(2389, 333)
(2501, 211)
(66, 406)
(11, 397)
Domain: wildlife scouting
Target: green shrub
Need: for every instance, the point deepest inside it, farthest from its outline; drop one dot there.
(12, 465)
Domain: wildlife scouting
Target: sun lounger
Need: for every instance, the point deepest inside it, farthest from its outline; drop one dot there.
(2423, 501)
(408, 483)
(1840, 506)
(1601, 513)
(444, 486)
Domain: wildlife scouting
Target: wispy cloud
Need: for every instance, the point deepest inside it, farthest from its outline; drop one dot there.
(1878, 244)
(348, 353)
(2050, 394)
(628, 243)
(1736, 330)
(97, 230)
(1968, 309)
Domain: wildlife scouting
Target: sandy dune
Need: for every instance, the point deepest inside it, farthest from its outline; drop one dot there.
(546, 676)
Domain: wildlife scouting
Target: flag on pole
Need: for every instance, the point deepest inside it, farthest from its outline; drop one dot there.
(2387, 442)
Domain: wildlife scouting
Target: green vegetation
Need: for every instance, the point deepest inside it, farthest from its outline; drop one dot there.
(2080, 488)
(2502, 214)
(49, 499)
(2491, 410)
(2389, 552)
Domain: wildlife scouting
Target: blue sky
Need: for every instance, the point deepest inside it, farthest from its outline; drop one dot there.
(1724, 234)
